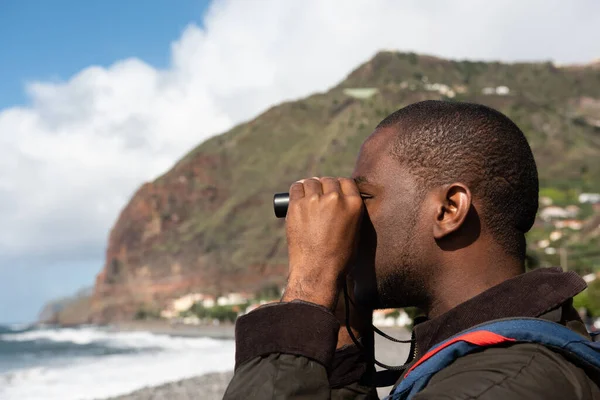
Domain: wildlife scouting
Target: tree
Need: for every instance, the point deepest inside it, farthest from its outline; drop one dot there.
(589, 299)
(268, 292)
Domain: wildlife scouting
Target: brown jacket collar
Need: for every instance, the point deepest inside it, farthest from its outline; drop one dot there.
(528, 295)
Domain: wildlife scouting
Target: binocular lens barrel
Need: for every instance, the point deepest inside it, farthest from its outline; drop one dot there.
(280, 204)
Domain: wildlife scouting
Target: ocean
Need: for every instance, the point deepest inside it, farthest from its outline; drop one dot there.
(51, 363)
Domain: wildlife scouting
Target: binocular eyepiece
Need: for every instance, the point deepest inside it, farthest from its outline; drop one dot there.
(280, 204)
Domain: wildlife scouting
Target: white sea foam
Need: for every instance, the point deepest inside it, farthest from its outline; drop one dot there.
(18, 327)
(83, 336)
(105, 376)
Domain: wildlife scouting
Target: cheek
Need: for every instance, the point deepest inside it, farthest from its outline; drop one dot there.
(379, 233)
(386, 221)
(396, 233)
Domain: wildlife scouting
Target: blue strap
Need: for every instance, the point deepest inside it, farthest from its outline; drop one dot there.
(523, 330)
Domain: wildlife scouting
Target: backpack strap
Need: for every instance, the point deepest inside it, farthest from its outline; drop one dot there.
(479, 338)
(497, 333)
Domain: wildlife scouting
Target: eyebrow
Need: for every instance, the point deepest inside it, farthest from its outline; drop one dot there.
(361, 179)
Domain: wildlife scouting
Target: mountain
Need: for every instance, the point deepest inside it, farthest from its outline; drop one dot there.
(70, 310)
(208, 225)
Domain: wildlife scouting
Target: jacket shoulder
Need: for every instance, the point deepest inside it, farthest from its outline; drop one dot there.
(521, 371)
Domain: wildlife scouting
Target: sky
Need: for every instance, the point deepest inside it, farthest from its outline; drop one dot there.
(98, 97)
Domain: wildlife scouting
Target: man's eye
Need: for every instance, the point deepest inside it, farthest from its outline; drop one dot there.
(366, 196)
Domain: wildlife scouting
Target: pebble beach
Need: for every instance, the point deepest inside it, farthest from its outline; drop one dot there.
(212, 386)
(205, 387)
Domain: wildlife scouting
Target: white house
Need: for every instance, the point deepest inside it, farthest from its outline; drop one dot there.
(569, 223)
(403, 319)
(502, 90)
(232, 299)
(590, 198)
(381, 318)
(361, 93)
(555, 235)
(185, 302)
(441, 88)
(554, 212)
(545, 201)
(543, 243)
(208, 302)
(386, 318)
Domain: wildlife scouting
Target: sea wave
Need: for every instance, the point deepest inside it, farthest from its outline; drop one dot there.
(12, 328)
(90, 335)
(96, 377)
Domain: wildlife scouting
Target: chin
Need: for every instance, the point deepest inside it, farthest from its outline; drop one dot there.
(377, 298)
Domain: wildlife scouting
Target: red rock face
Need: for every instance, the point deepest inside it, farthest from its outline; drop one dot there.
(137, 271)
(154, 254)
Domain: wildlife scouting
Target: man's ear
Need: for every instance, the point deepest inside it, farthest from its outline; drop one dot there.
(452, 206)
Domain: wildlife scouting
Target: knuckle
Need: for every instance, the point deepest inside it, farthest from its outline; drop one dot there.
(354, 201)
(333, 196)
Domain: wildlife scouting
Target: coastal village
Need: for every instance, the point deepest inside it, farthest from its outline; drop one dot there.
(227, 308)
(554, 225)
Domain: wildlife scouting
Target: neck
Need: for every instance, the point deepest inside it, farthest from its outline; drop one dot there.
(465, 276)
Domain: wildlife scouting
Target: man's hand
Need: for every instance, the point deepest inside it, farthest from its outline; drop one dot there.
(322, 224)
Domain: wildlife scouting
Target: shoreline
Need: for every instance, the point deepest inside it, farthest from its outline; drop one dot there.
(209, 386)
(212, 385)
(219, 332)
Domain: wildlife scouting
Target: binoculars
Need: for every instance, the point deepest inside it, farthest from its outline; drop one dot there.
(280, 204)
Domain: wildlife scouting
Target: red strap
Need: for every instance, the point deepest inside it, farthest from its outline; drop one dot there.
(478, 338)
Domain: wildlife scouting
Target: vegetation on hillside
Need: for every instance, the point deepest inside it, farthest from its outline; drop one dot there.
(589, 299)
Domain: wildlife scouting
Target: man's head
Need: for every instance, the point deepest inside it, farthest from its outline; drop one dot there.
(445, 184)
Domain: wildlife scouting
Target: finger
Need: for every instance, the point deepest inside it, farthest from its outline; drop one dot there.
(349, 187)
(312, 186)
(296, 191)
(331, 185)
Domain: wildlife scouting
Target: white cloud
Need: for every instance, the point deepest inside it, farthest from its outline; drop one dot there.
(70, 160)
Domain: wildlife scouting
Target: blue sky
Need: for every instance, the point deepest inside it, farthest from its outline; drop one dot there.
(52, 40)
(97, 98)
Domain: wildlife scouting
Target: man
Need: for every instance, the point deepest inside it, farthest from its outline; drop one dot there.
(435, 217)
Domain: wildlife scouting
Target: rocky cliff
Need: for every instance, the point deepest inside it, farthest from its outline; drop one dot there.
(66, 311)
(208, 225)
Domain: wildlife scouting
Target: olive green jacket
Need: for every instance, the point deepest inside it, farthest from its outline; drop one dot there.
(287, 350)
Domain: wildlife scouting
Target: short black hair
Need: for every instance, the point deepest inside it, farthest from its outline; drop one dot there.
(443, 142)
